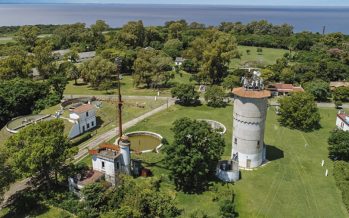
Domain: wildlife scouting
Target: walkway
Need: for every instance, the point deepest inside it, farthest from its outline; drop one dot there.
(83, 149)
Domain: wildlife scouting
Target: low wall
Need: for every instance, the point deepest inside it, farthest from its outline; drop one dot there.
(16, 129)
(156, 135)
(215, 125)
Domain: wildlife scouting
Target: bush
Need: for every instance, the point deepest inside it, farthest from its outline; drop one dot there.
(341, 175)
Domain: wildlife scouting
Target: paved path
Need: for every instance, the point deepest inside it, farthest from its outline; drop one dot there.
(83, 149)
(115, 97)
(319, 104)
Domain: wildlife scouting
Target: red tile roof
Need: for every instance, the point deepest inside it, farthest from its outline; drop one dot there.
(343, 117)
(83, 108)
(242, 92)
(281, 87)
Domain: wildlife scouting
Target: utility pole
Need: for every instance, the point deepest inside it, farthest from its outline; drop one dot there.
(118, 62)
(323, 30)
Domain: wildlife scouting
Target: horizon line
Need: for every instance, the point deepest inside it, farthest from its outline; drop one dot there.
(184, 4)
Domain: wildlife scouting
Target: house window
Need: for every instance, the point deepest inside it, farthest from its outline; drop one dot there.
(235, 140)
(103, 165)
(342, 125)
(86, 114)
(92, 123)
(83, 128)
(117, 165)
(88, 126)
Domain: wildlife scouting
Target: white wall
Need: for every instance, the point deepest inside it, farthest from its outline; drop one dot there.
(109, 168)
(339, 124)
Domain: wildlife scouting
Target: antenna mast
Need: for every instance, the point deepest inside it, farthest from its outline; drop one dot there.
(118, 62)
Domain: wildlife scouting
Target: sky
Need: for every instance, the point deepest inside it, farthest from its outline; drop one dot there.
(210, 2)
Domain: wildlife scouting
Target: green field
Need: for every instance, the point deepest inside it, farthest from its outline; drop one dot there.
(127, 88)
(267, 57)
(292, 184)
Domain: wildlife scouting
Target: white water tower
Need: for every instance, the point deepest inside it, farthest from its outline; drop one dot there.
(250, 111)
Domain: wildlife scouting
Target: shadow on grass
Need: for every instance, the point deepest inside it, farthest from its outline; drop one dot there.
(274, 153)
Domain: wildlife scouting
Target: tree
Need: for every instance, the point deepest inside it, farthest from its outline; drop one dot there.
(40, 150)
(193, 156)
(27, 36)
(152, 67)
(287, 75)
(214, 96)
(128, 57)
(173, 48)
(141, 199)
(319, 89)
(58, 83)
(132, 34)
(268, 75)
(72, 56)
(70, 70)
(341, 94)
(97, 70)
(185, 93)
(299, 111)
(339, 145)
(231, 82)
(95, 200)
(15, 65)
(190, 67)
(106, 85)
(213, 51)
(6, 174)
(19, 96)
(44, 58)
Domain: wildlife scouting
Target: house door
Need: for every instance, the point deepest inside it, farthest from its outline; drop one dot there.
(248, 163)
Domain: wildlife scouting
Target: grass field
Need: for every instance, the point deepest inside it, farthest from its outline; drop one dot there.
(267, 57)
(127, 88)
(292, 184)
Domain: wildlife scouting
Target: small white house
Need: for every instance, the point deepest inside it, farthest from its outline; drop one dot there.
(84, 119)
(179, 61)
(342, 121)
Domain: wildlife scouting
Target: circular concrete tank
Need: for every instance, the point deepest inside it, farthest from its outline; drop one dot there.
(250, 110)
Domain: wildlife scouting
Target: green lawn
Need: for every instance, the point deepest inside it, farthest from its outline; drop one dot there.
(267, 57)
(127, 88)
(292, 184)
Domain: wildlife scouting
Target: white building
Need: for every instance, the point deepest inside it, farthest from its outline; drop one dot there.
(342, 121)
(108, 161)
(84, 119)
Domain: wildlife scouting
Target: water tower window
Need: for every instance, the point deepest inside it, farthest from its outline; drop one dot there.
(86, 114)
(117, 165)
(235, 140)
(103, 165)
(258, 144)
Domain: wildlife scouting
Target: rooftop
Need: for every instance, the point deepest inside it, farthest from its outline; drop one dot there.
(247, 93)
(339, 84)
(83, 108)
(281, 87)
(109, 151)
(344, 118)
